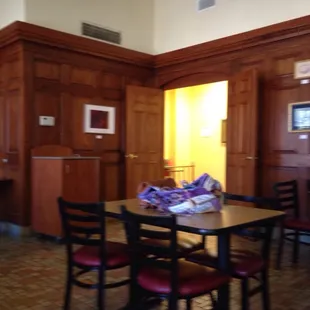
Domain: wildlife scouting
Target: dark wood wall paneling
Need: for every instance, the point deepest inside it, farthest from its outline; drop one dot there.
(12, 133)
(55, 74)
(273, 51)
(46, 72)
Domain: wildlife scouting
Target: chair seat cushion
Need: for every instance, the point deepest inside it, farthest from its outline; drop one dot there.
(185, 244)
(297, 224)
(243, 263)
(117, 255)
(193, 279)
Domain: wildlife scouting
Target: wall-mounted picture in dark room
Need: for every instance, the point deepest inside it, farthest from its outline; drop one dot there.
(299, 117)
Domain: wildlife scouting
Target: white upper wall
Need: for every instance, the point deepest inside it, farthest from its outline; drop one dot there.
(10, 11)
(133, 18)
(155, 26)
(178, 24)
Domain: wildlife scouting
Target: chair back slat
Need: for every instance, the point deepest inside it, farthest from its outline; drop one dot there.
(85, 241)
(154, 251)
(87, 218)
(287, 191)
(287, 195)
(153, 234)
(85, 230)
(286, 201)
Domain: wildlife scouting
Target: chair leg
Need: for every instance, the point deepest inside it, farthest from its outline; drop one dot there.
(173, 303)
(265, 290)
(213, 300)
(296, 248)
(188, 304)
(204, 240)
(68, 289)
(280, 248)
(101, 289)
(245, 294)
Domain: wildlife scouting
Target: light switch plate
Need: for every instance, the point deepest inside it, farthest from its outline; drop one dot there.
(303, 137)
(46, 121)
(205, 132)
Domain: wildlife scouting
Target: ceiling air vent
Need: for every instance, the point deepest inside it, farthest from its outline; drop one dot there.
(205, 4)
(100, 33)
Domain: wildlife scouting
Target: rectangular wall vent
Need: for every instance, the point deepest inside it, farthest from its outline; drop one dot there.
(101, 33)
(205, 4)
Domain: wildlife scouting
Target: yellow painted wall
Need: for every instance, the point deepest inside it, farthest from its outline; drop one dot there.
(188, 112)
(169, 125)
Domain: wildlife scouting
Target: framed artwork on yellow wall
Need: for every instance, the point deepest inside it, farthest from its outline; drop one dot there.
(224, 131)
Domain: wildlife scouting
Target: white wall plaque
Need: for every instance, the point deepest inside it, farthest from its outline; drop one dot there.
(302, 69)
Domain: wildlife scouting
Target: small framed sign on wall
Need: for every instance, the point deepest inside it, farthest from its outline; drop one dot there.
(299, 117)
(302, 69)
(99, 119)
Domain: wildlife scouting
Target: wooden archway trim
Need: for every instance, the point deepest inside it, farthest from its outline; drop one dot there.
(193, 79)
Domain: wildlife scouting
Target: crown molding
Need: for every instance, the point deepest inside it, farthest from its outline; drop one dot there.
(258, 37)
(21, 31)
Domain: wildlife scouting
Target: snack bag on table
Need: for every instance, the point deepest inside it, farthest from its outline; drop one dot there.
(202, 195)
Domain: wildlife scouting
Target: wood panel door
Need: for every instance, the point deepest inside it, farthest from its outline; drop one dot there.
(242, 133)
(144, 136)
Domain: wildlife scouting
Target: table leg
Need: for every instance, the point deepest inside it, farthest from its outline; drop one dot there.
(223, 246)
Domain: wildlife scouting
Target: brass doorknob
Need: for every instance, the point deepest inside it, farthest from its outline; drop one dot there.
(251, 158)
(131, 156)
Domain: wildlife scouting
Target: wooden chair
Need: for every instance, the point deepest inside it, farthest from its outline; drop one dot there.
(168, 277)
(288, 201)
(84, 225)
(246, 264)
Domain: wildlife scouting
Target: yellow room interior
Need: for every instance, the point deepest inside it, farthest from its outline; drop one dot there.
(193, 132)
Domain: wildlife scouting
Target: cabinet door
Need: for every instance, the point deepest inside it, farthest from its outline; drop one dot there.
(81, 180)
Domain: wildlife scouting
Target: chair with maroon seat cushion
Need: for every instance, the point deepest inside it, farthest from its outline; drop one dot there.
(246, 264)
(288, 201)
(170, 276)
(84, 226)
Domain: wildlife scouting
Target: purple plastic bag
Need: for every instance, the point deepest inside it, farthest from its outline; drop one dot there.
(165, 198)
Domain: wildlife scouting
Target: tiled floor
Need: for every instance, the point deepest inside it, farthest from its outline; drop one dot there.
(32, 275)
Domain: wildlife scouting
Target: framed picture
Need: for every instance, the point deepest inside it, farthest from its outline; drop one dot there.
(299, 116)
(302, 69)
(99, 119)
(224, 131)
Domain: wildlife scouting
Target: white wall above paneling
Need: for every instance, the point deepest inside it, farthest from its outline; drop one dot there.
(155, 26)
(10, 11)
(178, 24)
(133, 18)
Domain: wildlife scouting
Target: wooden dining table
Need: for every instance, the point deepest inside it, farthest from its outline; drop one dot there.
(222, 224)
